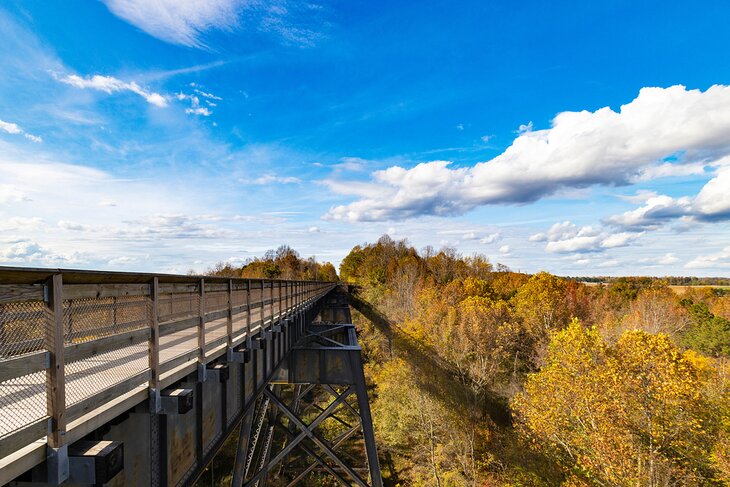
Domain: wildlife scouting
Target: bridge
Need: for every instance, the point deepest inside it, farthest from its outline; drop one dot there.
(138, 379)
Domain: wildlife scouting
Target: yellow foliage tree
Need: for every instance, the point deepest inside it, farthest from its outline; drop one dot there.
(628, 414)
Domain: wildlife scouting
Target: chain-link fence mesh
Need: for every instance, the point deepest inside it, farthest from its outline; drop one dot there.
(216, 301)
(239, 299)
(174, 307)
(22, 330)
(95, 319)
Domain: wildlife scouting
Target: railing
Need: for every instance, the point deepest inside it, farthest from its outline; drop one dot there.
(71, 341)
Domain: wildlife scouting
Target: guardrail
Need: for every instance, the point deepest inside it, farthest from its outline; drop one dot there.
(70, 341)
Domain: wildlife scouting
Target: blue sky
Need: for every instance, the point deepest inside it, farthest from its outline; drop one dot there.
(583, 138)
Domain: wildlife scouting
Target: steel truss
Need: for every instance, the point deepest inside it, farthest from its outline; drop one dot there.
(304, 422)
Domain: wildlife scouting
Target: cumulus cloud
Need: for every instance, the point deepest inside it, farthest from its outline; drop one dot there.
(566, 237)
(14, 129)
(712, 261)
(580, 149)
(491, 238)
(30, 252)
(110, 84)
(712, 203)
(504, 249)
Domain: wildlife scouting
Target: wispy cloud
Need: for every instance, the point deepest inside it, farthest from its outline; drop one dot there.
(110, 84)
(186, 22)
(14, 129)
(666, 259)
(273, 178)
(180, 22)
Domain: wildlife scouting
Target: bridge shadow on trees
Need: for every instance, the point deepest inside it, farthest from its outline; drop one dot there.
(439, 378)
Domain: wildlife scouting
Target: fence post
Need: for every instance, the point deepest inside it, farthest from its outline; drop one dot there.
(154, 347)
(248, 314)
(201, 332)
(57, 454)
(55, 374)
(229, 322)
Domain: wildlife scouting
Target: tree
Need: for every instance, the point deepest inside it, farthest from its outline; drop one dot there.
(632, 413)
(540, 304)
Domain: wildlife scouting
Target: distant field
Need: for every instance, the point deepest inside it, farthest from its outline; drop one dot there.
(675, 288)
(683, 289)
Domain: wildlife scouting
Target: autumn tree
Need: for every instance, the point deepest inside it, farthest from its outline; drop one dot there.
(632, 413)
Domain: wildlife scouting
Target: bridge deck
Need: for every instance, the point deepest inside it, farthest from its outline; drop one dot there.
(108, 332)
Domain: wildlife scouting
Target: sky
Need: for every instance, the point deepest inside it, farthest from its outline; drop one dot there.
(581, 138)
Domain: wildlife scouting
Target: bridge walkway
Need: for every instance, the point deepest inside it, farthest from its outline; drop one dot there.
(78, 348)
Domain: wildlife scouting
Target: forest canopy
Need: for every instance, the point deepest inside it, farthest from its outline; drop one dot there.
(483, 376)
(282, 263)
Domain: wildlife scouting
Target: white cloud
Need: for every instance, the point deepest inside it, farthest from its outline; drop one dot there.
(10, 128)
(354, 164)
(713, 261)
(30, 252)
(666, 259)
(178, 21)
(504, 249)
(14, 129)
(185, 22)
(491, 238)
(76, 227)
(20, 223)
(210, 96)
(523, 129)
(9, 193)
(195, 108)
(273, 178)
(581, 149)
(199, 111)
(459, 126)
(670, 170)
(608, 263)
(712, 203)
(566, 237)
(313, 229)
(641, 196)
(122, 261)
(469, 236)
(486, 138)
(110, 84)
